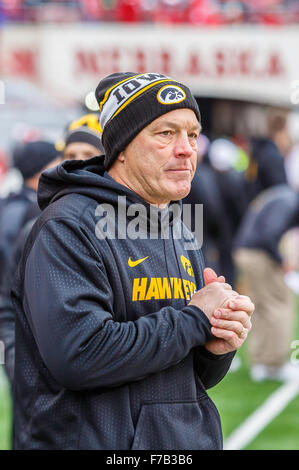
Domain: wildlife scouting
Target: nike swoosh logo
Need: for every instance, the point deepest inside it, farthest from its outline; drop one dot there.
(132, 263)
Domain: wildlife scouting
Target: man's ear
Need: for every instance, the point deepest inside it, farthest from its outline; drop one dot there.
(121, 157)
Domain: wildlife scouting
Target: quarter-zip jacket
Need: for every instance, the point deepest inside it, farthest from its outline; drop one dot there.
(109, 355)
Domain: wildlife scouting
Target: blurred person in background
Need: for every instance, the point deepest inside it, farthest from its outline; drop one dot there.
(221, 190)
(267, 154)
(262, 275)
(223, 157)
(83, 139)
(204, 190)
(31, 159)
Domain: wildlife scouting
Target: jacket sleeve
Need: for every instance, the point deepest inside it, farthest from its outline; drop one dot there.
(68, 302)
(211, 368)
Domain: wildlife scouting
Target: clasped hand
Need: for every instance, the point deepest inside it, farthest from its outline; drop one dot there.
(229, 313)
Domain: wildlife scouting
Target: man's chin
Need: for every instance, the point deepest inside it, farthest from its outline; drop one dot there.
(181, 193)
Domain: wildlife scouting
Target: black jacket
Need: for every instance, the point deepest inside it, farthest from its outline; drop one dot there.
(7, 314)
(108, 353)
(14, 214)
(266, 167)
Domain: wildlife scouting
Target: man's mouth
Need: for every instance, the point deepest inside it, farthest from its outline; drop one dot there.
(180, 170)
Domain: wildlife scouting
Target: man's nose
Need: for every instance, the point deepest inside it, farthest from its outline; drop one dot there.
(183, 148)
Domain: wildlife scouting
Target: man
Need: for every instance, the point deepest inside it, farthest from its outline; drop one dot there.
(31, 159)
(267, 166)
(261, 271)
(113, 350)
(83, 138)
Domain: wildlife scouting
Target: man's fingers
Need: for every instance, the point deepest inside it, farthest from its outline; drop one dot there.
(233, 325)
(233, 339)
(209, 276)
(227, 286)
(232, 315)
(241, 302)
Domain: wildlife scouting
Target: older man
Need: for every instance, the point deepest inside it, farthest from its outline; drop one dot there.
(117, 337)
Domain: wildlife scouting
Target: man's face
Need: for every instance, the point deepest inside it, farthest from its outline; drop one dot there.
(160, 162)
(80, 151)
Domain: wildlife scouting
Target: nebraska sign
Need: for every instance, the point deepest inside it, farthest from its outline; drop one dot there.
(250, 63)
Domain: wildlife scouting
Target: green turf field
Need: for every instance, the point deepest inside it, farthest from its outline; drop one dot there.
(5, 412)
(236, 398)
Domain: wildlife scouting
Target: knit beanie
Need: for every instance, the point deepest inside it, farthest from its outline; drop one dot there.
(86, 129)
(129, 102)
(82, 134)
(32, 157)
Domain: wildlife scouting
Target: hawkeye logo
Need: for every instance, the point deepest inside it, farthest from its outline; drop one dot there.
(169, 94)
(159, 288)
(187, 266)
(132, 263)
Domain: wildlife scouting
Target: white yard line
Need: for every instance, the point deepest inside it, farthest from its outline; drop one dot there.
(262, 416)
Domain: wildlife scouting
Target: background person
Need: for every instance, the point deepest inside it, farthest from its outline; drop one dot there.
(31, 159)
(83, 138)
(267, 164)
(261, 272)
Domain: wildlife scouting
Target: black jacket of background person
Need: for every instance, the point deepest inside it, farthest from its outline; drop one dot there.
(268, 218)
(12, 218)
(266, 167)
(13, 212)
(7, 314)
(109, 356)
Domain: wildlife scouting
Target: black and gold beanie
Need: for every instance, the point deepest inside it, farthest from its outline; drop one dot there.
(86, 129)
(129, 102)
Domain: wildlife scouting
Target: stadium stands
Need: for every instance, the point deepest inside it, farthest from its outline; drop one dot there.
(199, 12)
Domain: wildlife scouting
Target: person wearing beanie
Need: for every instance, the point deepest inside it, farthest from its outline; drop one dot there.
(30, 159)
(83, 139)
(130, 329)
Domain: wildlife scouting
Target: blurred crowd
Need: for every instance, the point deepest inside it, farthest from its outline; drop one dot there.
(198, 12)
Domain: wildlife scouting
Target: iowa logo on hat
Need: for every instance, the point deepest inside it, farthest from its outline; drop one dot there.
(170, 94)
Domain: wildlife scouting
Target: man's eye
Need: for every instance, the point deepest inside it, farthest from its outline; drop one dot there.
(193, 135)
(165, 133)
